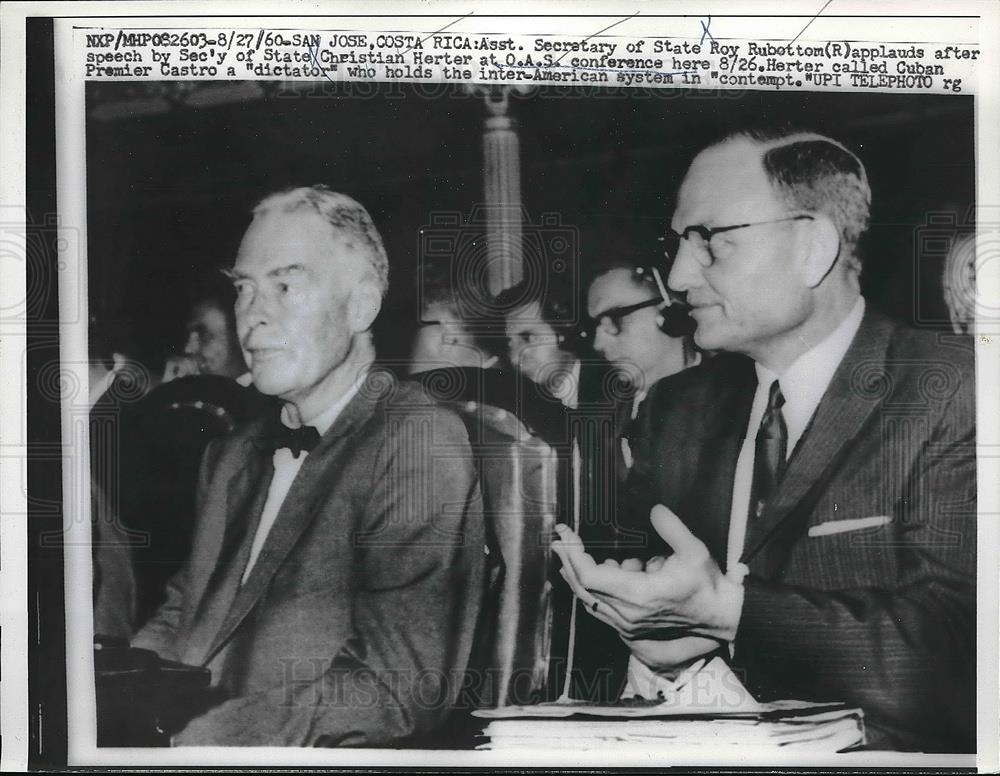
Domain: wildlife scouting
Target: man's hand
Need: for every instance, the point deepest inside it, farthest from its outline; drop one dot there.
(686, 594)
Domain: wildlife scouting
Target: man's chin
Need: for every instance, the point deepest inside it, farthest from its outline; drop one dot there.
(709, 338)
(269, 383)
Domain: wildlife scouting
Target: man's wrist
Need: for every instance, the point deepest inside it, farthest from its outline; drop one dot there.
(729, 603)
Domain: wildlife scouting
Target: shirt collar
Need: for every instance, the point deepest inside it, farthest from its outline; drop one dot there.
(325, 419)
(805, 381)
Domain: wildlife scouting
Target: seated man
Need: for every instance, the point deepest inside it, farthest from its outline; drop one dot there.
(337, 567)
(624, 304)
(543, 328)
(541, 335)
(444, 338)
(816, 482)
(627, 327)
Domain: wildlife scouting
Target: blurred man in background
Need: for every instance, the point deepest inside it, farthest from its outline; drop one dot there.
(211, 346)
(628, 329)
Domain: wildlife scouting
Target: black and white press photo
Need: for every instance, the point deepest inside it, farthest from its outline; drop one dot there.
(430, 392)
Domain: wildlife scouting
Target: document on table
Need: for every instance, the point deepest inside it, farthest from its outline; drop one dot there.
(705, 705)
(706, 688)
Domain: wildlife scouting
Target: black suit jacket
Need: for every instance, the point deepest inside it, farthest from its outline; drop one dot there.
(881, 617)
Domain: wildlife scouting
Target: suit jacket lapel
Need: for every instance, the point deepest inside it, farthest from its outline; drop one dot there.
(311, 484)
(839, 417)
(247, 493)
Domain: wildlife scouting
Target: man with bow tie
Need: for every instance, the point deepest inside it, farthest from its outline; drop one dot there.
(337, 566)
(815, 483)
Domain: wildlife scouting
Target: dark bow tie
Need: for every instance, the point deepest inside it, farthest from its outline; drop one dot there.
(295, 439)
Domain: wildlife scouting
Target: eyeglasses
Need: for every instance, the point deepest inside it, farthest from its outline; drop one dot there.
(610, 321)
(711, 248)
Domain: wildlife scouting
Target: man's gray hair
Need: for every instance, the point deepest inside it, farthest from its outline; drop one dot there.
(348, 217)
(812, 172)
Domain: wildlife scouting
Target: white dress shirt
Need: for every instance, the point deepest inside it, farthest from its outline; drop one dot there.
(286, 467)
(803, 385)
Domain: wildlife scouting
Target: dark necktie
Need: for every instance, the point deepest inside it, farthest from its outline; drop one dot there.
(770, 450)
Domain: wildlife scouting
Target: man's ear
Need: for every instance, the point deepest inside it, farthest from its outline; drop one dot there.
(363, 306)
(822, 250)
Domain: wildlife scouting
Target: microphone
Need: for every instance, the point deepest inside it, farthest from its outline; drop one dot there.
(673, 319)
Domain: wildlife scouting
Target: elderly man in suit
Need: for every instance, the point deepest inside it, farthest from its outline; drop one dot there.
(816, 481)
(337, 567)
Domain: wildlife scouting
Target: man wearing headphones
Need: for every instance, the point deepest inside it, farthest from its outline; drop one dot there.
(631, 327)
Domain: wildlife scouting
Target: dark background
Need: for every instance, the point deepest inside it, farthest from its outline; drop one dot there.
(169, 194)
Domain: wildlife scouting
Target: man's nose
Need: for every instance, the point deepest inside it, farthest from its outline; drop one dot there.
(601, 340)
(193, 344)
(685, 273)
(252, 313)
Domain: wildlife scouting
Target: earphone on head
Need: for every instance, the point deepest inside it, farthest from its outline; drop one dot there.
(672, 317)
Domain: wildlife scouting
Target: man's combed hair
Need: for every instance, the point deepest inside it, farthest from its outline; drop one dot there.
(348, 217)
(642, 280)
(814, 173)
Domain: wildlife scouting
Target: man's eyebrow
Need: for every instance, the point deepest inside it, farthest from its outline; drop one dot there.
(289, 269)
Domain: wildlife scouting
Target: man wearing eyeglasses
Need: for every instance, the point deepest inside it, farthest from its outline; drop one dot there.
(816, 482)
(623, 304)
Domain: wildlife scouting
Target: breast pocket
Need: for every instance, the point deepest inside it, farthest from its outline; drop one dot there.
(841, 557)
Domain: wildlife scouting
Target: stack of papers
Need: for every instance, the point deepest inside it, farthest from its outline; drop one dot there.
(824, 731)
(710, 708)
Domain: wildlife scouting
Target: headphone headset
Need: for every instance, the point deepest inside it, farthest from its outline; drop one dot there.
(672, 317)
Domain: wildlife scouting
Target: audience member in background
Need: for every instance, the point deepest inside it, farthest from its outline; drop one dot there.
(543, 330)
(115, 382)
(458, 359)
(959, 283)
(443, 338)
(211, 346)
(628, 327)
(623, 304)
